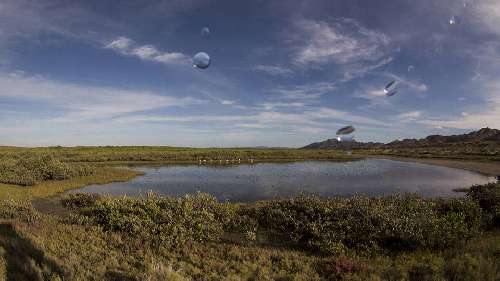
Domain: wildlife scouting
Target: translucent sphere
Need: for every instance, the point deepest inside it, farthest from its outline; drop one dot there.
(345, 138)
(411, 68)
(454, 20)
(201, 60)
(205, 32)
(345, 130)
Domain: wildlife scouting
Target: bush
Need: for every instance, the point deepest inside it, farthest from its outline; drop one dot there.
(161, 220)
(471, 268)
(20, 211)
(30, 169)
(79, 200)
(369, 224)
(488, 197)
(330, 226)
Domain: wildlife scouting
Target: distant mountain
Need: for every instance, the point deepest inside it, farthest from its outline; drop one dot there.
(335, 144)
(482, 135)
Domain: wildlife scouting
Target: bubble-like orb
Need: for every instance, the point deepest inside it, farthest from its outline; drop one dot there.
(390, 94)
(345, 130)
(454, 20)
(390, 87)
(345, 138)
(205, 32)
(201, 60)
(411, 68)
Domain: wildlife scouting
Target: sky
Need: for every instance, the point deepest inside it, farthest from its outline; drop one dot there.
(283, 73)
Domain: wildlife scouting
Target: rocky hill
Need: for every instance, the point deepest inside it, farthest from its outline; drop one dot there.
(480, 136)
(335, 144)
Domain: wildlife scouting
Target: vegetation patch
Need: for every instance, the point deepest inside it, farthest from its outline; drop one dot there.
(330, 226)
(28, 170)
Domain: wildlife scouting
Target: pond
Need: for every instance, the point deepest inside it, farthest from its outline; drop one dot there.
(252, 182)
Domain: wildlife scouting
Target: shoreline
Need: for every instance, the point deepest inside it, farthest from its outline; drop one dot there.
(485, 168)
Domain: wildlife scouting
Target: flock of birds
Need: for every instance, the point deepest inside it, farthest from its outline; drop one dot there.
(226, 161)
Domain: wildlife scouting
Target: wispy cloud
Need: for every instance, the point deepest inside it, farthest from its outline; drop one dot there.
(360, 70)
(475, 115)
(227, 102)
(73, 102)
(127, 47)
(487, 13)
(342, 42)
(273, 70)
(273, 105)
(409, 116)
(310, 91)
(405, 83)
(319, 117)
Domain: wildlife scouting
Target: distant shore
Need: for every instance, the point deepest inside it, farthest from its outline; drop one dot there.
(488, 168)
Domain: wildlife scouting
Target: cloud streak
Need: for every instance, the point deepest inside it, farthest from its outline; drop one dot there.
(341, 42)
(126, 46)
(72, 102)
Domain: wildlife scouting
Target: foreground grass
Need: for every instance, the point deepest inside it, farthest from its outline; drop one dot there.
(198, 238)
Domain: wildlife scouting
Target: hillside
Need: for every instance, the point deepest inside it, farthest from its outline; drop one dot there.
(484, 135)
(335, 144)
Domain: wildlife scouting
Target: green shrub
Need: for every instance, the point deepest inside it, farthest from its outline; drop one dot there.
(331, 226)
(471, 268)
(369, 224)
(79, 200)
(15, 210)
(488, 197)
(162, 220)
(30, 169)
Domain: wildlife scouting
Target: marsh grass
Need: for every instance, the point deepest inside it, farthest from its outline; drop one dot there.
(109, 246)
(123, 154)
(54, 187)
(306, 238)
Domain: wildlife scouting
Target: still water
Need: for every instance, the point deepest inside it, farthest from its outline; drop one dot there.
(269, 180)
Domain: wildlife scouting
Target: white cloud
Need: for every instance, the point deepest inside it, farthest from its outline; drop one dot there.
(273, 70)
(273, 105)
(126, 46)
(340, 42)
(72, 102)
(227, 102)
(321, 117)
(120, 44)
(146, 52)
(476, 116)
(487, 13)
(413, 85)
(356, 71)
(305, 92)
(410, 116)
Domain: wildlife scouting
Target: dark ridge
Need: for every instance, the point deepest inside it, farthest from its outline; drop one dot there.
(480, 136)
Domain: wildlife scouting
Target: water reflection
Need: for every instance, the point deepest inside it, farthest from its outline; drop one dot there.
(268, 180)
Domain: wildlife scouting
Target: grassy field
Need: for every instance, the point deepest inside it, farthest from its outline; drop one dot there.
(86, 237)
(170, 154)
(483, 151)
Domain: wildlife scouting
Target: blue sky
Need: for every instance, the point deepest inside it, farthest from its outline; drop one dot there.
(283, 73)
